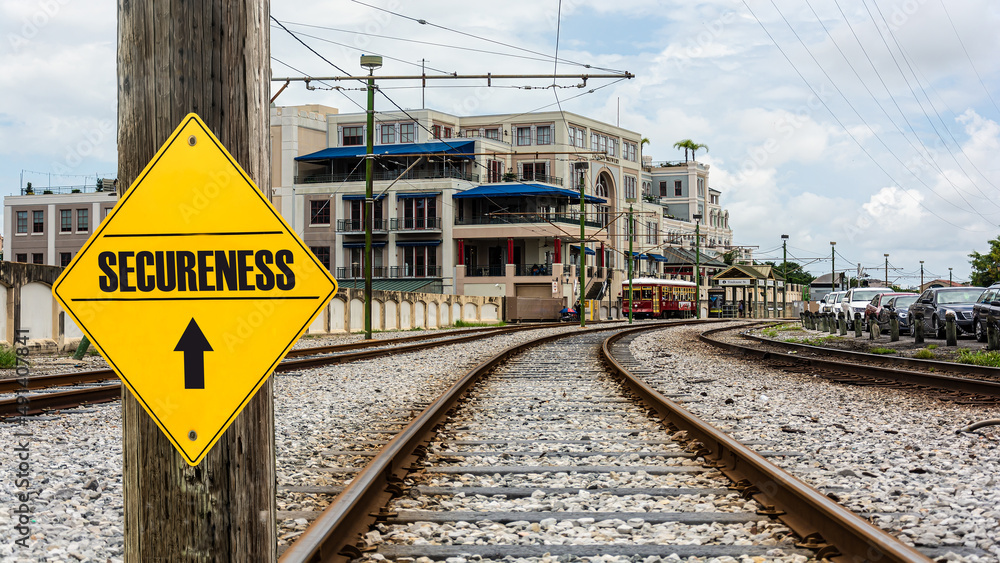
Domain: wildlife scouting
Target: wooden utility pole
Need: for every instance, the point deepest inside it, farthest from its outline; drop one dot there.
(210, 58)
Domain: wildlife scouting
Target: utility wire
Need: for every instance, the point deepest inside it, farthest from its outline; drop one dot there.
(425, 22)
(973, 65)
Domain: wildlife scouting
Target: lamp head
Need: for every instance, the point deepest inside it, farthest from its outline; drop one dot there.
(784, 236)
(697, 216)
(371, 62)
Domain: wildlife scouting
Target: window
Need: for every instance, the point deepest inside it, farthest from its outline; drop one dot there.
(534, 170)
(387, 135)
(630, 185)
(576, 135)
(353, 136)
(523, 136)
(678, 189)
(65, 220)
(319, 212)
(420, 261)
(543, 135)
(64, 258)
(322, 254)
(23, 258)
(651, 233)
(406, 133)
(470, 133)
(612, 147)
(436, 131)
(602, 143)
(494, 170)
(447, 132)
(701, 187)
(358, 262)
(82, 220)
(420, 213)
(493, 134)
(22, 221)
(594, 143)
(579, 137)
(357, 213)
(38, 221)
(36, 258)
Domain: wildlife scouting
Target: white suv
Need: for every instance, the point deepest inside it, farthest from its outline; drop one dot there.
(829, 301)
(857, 299)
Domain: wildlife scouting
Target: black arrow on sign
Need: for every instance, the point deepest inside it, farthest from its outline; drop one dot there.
(194, 345)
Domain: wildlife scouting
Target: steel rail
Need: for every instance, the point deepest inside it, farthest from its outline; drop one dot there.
(837, 532)
(866, 357)
(14, 385)
(332, 536)
(938, 381)
(45, 402)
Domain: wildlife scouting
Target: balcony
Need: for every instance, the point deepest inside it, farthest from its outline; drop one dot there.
(494, 271)
(358, 226)
(393, 272)
(527, 218)
(420, 224)
(386, 175)
(533, 270)
(544, 178)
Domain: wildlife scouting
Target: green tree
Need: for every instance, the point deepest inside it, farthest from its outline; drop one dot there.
(689, 145)
(986, 267)
(796, 274)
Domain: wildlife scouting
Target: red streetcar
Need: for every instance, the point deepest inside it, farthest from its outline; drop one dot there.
(654, 297)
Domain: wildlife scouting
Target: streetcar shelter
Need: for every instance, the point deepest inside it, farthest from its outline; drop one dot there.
(756, 287)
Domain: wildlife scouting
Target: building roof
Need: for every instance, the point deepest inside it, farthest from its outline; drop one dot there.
(678, 256)
(456, 146)
(525, 190)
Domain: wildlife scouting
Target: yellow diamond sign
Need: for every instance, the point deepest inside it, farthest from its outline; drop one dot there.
(194, 288)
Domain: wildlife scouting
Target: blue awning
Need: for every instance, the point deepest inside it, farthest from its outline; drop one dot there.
(434, 147)
(589, 251)
(656, 257)
(379, 244)
(419, 243)
(416, 195)
(361, 197)
(525, 190)
(636, 255)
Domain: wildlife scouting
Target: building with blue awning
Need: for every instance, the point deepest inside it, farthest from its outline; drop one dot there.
(478, 205)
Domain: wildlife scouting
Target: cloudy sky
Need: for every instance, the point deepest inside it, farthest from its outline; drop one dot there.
(870, 123)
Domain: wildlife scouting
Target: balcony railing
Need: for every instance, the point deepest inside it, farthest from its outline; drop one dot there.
(80, 189)
(415, 224)
(565, 218)
(393, 272)
(554, 180)
(495, 271)
(533, 270)
(385, 175)
(358, 226)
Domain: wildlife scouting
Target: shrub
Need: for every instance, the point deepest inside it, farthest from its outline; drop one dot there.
(8, 358)
(881, 350)
(467, 324)
(932, 346)
(980, 358)
(924, 354)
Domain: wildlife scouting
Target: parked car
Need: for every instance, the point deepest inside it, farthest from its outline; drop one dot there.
(900, 304)
(857, 298)
(828, 301)
(936, 302)
(874, 308)
(987, 304)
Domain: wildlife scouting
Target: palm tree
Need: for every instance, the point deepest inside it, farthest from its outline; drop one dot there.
(697, 146)
(684, 144)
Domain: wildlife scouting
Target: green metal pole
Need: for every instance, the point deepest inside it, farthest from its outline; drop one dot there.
(583, 253)
(833, 267)
(784, 274)
(697, 269)
(369, 204)
(631, 296)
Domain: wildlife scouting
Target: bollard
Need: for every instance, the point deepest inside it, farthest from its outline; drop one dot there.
(842, 323)
(874, 330)
(831, 323)
(893, 327)
(992, 334)
(950, 329)
(857, 325)
(811, 319)
(918, 328)
(802, 320)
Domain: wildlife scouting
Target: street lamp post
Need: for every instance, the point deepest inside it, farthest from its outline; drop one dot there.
(887, 270)
(372, 63)
(921, 275)
(949, 278)
(697, 265)
(631, 237)
(784, 274)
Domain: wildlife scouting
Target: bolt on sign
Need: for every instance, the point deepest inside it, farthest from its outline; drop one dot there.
(194, 288)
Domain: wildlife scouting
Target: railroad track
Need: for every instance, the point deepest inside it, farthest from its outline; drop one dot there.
(965, 384)
(87, 393)
(554, 448)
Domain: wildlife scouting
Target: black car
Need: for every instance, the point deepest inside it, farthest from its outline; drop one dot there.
(988, 304)
(936, 302)
(899, 304)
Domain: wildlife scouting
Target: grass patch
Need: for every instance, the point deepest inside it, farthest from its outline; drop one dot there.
(813, 341)
(466, 324)
(791, 328)
(770, 332)
(881, 350)
(8, 358)
(932, 346)
(924, 354)
(979, 358)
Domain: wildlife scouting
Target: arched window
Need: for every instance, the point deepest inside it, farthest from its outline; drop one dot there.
(600, 190)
